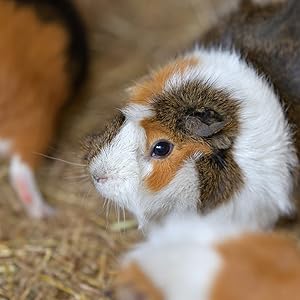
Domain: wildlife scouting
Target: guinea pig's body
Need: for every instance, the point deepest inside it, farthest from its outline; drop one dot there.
(209, 132)
(43, 58)
(195, 260)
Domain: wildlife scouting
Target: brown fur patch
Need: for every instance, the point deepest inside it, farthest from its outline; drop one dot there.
(144, 91)
(259, 267)
(164, 170)
(133, 284)
(93, 144)
(33, 80)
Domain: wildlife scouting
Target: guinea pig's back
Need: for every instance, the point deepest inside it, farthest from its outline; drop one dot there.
(268, 37)
(36, 74)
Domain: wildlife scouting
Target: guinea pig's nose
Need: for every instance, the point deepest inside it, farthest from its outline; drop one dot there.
(100, 178)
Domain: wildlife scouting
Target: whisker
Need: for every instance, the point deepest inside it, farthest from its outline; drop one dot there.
(60, 159)
(77, 177)
(76, 172)
(116, 212)
(77, 181)
(124, 214)
(103, 208)
(107, 213)
(83, 199)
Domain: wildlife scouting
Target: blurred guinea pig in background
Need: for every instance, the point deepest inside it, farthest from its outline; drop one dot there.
(43, 61)
(215, 130)
(196, 260)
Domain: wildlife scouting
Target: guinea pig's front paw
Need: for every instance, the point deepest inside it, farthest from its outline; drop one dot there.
(23, 181)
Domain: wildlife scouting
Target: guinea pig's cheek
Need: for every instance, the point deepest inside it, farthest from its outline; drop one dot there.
(146, 169)
(164, 170)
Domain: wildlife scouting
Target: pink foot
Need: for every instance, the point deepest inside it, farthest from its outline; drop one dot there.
(23, 181)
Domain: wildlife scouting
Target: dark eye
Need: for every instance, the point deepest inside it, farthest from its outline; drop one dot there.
(162, 149)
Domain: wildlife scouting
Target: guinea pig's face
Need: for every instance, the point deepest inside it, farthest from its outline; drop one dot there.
(147, 158)
(172, 148)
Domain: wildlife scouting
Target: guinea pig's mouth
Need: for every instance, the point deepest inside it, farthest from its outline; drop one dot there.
(104, 186)
(100, 179)
(99, 176)
(105, 180)
(107, 184)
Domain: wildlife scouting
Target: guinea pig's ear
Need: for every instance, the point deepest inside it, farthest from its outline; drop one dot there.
(205, 122)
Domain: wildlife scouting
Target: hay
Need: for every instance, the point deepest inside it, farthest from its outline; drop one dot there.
(75, 254)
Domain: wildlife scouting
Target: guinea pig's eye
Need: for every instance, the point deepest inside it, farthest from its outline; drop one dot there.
(161, 149)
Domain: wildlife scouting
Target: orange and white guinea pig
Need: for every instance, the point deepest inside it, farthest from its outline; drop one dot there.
(43, 59)
(210, 132)
(196, 260)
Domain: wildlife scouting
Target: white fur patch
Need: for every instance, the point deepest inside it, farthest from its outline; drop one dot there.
(120, 162)
(264, 149)
(5, 146)
(180, 258)
(137, 112)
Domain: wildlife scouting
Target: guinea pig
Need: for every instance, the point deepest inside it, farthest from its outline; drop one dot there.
(43, 60)
(196, 260)
(212, 132)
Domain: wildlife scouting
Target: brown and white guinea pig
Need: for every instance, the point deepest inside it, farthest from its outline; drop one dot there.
(196, 260)
(211, 132)
(43, 59)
